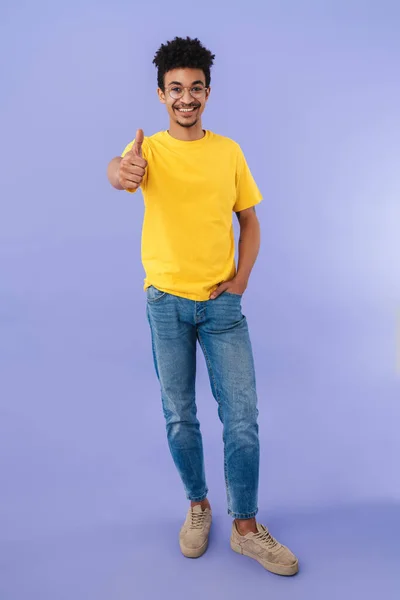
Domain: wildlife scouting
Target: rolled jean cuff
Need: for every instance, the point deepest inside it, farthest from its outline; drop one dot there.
(243, 516)
(198, 498)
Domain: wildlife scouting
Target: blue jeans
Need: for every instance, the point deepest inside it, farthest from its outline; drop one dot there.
(221, 329)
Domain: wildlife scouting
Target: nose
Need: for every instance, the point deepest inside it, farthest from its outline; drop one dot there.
(187, 98)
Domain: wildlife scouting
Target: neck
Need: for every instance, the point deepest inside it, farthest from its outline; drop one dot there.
(186, 134)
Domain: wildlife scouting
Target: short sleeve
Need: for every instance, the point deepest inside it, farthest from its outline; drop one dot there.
(128, 148)
(247, 192)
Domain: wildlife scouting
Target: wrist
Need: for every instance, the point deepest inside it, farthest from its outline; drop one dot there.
(117, 181)
(242, 278)
(113, 173)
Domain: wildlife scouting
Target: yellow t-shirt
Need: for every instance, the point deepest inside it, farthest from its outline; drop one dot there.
(190, 191)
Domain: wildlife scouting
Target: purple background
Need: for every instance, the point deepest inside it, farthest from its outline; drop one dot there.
(90, 503)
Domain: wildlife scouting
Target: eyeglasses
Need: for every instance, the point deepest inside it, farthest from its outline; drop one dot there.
(176, 92)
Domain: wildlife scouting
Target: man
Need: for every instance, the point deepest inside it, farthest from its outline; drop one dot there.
(192, 180)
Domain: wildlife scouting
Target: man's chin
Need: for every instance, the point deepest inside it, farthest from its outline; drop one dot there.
(186, 124)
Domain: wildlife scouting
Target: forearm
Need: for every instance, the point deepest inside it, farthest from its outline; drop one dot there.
(249, 246)
(113, 173)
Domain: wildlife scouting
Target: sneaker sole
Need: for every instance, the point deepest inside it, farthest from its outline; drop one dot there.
(194, 552)
(286, 570)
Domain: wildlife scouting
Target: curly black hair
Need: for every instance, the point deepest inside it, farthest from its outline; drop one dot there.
(182, 53)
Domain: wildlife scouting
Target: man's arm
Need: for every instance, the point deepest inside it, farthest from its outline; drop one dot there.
(249, 246)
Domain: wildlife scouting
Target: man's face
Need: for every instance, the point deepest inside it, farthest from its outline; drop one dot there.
(183, 107)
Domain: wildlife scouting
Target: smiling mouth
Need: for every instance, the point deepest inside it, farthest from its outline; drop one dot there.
(187, 111)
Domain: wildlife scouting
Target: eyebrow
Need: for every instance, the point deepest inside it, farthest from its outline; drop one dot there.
(179, 83)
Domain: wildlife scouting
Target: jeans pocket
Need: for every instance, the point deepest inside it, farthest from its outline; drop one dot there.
(234, 295)
(154, 295)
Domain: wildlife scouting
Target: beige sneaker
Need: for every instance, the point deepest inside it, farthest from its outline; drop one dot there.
(193, 537)
(266, 550)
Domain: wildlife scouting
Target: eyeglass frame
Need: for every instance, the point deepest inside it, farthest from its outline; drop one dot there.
(184, 88)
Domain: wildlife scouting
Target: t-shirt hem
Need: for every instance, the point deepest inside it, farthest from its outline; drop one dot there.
(178, 294)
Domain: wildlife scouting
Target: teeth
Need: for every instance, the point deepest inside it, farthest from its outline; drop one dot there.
(186, 109)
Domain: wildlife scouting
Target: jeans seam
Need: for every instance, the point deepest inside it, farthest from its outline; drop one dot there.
(153, 346)
(219, 402)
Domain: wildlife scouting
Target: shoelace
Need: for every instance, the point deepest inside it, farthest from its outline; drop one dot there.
(266, 538)
(197, 520)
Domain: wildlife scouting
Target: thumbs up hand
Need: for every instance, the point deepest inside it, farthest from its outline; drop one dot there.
(137, 146)
(133, 166)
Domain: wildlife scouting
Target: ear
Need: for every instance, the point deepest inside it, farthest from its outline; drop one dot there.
(208, 92)
(161, 96)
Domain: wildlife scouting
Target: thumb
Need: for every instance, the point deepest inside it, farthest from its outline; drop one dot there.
(137, 146)
(220, 290)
